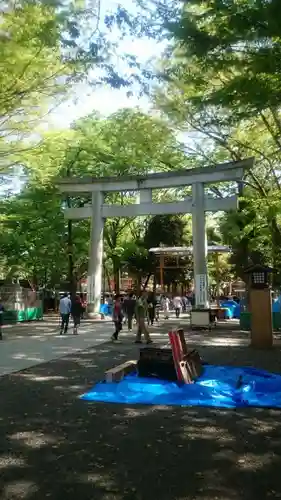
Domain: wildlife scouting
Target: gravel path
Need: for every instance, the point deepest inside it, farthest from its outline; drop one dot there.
(55, 446)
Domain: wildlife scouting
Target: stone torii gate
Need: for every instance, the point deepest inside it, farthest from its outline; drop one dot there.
(197, 205)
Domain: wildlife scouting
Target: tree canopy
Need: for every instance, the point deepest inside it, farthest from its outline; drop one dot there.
(218, 82)
(46, 49)
(127, 142)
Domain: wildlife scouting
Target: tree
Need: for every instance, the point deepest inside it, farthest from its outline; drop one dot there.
(129, 142)
(166, 230)
(126, 143)
(34, 237)
(161, 230)
(219, 72)
(47, 48)
(250, 237)
(139, 263)
(40, 59)
(220, 85)
(220, 270)
(236, 45)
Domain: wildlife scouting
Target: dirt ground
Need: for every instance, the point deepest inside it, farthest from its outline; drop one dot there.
(55, 446)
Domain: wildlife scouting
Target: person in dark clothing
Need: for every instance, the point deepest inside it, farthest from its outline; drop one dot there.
(129, 305)
(117, 317)
(151, 306)
(76, 313)
(83, 305)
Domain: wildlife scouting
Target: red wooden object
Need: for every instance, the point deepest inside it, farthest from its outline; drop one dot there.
(178, 353)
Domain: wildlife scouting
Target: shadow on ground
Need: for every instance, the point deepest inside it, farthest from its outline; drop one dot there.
(55, 446)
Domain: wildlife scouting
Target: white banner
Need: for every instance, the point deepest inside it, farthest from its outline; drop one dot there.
(201, 290)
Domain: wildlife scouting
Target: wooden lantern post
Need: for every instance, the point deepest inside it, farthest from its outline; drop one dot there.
(260, 307)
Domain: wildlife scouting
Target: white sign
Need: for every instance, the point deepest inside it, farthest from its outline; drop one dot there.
(201, 290)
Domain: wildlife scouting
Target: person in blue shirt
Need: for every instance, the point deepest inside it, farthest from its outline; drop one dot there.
(65, 309)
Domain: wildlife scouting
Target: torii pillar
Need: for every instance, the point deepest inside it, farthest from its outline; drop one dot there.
(95, 255)
(200, 246)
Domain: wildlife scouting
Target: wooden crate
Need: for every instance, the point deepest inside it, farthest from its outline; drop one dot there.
(118, 372)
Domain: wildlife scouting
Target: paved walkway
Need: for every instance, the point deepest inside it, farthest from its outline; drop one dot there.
(30, 344)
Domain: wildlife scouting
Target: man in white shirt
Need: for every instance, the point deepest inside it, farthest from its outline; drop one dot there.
(177, 305)
(65, 308)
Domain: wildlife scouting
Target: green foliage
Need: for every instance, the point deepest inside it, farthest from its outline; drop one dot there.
(128, 142)
(137, 260)
(165, 230)
(161, 230)
(34, 236)
(46, 48)
(30, 69)
(237, 46)
(253, 236)
(219, 81)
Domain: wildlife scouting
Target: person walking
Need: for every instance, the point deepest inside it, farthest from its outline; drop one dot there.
(64, 308)
(117, 317)
(151, 309)
(83, 304)
(157, 308)
(141, 315)
(177, 305)
(76, 313)
(166, 306)
(129, 309)
(184, 303)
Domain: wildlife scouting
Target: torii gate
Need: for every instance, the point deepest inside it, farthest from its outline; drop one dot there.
(197, 205)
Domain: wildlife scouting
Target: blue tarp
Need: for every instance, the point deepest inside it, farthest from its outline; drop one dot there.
(276, 305)
(232, 309)
(215, 387)
(106, 309)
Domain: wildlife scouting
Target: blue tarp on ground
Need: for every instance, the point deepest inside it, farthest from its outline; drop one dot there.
(216, 387)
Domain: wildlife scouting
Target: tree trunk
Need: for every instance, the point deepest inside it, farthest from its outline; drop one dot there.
(276, 245)
(34, 278)
(154, 284)
(116, 275)
(139, 277)
(108, 279)
(146, 281)
(45, 277)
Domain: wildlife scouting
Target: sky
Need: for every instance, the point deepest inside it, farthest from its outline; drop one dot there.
(106, 100)
(84, 99)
